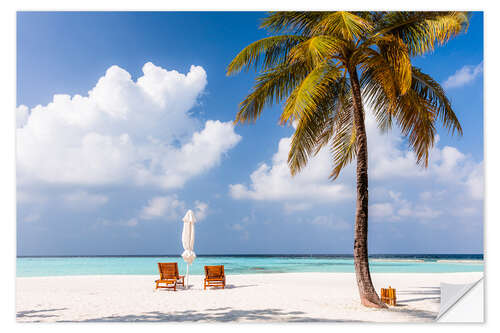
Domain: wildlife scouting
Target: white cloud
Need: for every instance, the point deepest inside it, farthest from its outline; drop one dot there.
(170, 208)
(463, 76)
(237, 227)
(32, 217)
(167, 207)
(296, 207)
(30, 197)
(381, 210)
(399, 208)
(200, 210)
(131, 222)
(435, 195)
(390, 161)
(475, 182)
(123, 132)
(84, 199)
(275, 182)
(241, 229)
(330, 222)
(22, 114)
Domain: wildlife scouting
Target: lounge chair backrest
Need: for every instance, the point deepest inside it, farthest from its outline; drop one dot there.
(168, 270)
(214, 271)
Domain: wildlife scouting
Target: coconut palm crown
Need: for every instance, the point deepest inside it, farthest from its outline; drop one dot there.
(325, 66)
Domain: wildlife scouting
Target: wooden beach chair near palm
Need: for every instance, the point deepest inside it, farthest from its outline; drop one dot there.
(169, 276)
(214, 277)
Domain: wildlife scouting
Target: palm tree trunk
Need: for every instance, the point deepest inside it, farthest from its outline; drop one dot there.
(367, 293)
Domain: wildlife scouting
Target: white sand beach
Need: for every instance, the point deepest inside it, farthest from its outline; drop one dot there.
(286, 297)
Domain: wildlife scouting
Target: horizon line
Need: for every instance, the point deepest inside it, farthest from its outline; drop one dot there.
(246, 255)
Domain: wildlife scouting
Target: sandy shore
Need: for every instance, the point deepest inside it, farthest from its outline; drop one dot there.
(289, 297)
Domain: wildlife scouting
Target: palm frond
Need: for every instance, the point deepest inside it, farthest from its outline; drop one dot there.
(304, 139)
(340, 95)
(416, 111)
(346, 25)
(316, 49)
(267, 52)
(272, 86)
(416, 118)
(343, 147)
(428, 89)
(379, 88)
(396, 55)
(420, 31)
(312, 133)
(308, 67)
(304, 99)
(298, 22)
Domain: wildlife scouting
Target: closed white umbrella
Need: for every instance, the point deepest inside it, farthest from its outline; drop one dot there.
(188, 241)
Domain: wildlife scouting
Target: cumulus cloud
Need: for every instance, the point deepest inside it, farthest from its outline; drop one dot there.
(390, 161)
(22, 114)
(124, 132)
(32, 217)
(330, 222)
(463, 76)
(241, 229)
(399, 208)
(84, 199)
(296, 207)
(200, 210)
(381, 210)
(274, 182)
(475, 182)
(170, 207)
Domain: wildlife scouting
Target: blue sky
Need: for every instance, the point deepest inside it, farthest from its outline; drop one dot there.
(113, 171)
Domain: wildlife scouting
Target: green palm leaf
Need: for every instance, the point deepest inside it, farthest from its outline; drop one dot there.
(305, 98)
(343, 24)
(267, 52)
(272, 86)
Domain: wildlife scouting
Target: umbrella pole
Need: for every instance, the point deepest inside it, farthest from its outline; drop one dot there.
(187, 277)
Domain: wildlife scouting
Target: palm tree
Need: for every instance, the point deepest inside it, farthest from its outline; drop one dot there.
(326, 66)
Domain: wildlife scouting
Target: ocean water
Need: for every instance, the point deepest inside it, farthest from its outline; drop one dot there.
(145, 265)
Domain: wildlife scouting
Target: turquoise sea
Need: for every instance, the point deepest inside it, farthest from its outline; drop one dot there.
(245, 264)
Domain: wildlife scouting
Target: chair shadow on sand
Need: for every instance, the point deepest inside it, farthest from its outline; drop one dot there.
(228, 286)
(232, 286)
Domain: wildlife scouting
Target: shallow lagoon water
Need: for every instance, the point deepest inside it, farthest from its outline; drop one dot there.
(136, 265)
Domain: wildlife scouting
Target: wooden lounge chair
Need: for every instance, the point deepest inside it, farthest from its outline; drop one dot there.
(169, 276)
(388, 295)
(214, 277)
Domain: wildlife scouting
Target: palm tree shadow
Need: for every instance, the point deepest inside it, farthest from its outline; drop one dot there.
(427, 293)
(416, 313)
(225, 314)
(38, 313)
(422, 291)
